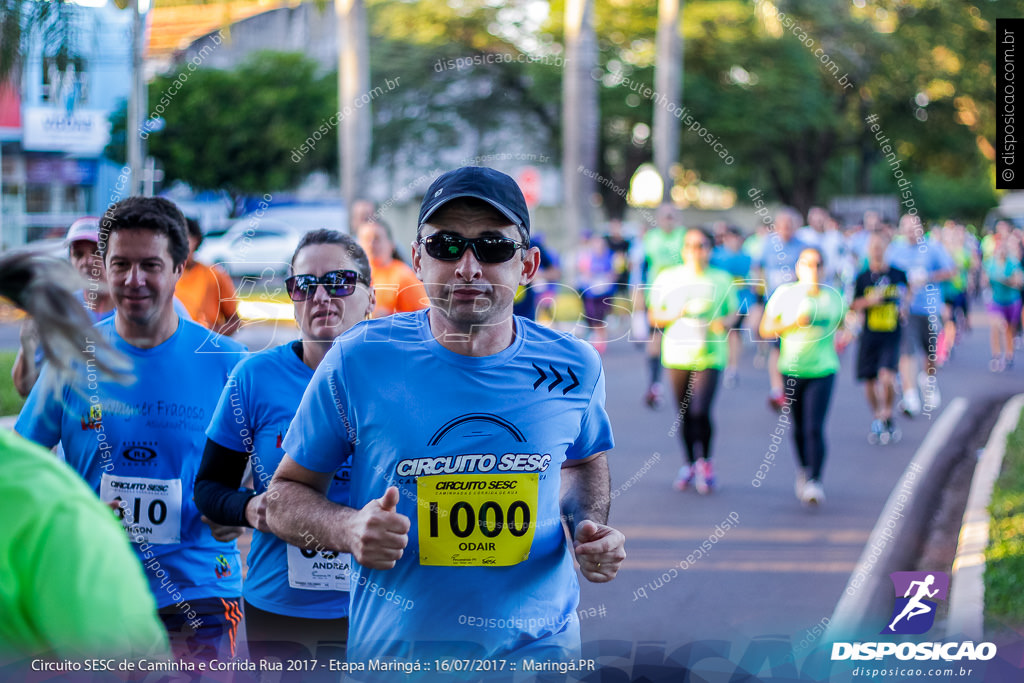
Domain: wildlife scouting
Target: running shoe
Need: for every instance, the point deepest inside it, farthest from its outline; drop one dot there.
(705, 477)
(801, 482)
(1008, 361)
(996, 365)
(877, 429)
(685, 477)
(812, 494)
(653, 396)
(911, 403)
(894, 433)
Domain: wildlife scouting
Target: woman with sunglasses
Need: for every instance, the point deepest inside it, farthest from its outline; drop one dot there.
(397, 287)
(291, 594)
(805, 315)
(695, 305)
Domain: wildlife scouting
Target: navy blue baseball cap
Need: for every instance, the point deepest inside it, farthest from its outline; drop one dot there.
(493, 187)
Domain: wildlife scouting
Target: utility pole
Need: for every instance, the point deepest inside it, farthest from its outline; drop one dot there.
(136, 104)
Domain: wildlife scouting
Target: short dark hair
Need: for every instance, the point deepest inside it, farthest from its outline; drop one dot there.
(147, 213)
(816, 250)
(708, 237)
(325, 236)
(194, 230)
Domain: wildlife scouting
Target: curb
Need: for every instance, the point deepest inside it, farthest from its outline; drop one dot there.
(903, 515)
(967, 586)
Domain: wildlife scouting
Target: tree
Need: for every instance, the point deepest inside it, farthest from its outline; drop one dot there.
(52, 23)
(466, 94)
(259, 128)
(765, 100)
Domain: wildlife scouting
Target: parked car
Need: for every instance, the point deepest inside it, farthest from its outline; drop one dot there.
(48, 246)
(261, 243)
(1011, 208)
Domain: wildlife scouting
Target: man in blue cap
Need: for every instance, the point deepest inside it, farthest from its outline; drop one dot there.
(472, 435)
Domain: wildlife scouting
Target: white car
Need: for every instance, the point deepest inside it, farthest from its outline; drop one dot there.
(262, 243)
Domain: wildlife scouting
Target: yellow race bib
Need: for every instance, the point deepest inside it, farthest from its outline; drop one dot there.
(476, 520)
(884, 318)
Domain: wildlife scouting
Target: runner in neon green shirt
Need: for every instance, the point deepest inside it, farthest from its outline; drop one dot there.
(663, 248)
(805, 316)
(696, 306)
(70, 585)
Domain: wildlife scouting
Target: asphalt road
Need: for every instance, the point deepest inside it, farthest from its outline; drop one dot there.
(747, 565)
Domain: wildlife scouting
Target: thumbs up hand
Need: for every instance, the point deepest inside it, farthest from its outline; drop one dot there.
(379, 532)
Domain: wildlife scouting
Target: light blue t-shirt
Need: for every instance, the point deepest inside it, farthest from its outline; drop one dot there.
(998, 271)
(920, 262)
(142, 443)
(475, 446)
(255, 409)
(98, 317)
(778, 261)
(737, 264)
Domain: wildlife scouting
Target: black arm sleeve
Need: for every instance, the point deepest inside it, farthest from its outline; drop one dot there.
(217, 493)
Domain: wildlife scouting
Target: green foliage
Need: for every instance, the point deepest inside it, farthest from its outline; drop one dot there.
(1004, 559)
(967, 196)
(459, 81)
(479, 77)
(769, 103)
(242, 130)
(52, 24)
(10, 401)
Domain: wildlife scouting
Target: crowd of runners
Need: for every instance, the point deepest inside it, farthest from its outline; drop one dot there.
(900, 291)
(419, 454)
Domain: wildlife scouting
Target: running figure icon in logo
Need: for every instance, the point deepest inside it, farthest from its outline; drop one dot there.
(914, 609)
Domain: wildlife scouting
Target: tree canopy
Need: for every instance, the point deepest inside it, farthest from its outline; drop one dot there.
(775, 96)
(261, 127)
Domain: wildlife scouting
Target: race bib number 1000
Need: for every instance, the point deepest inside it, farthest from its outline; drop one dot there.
(150, 509)
(476, 520)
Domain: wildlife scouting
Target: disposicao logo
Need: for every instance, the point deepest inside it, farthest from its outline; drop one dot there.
(917, 596)
(913, 613)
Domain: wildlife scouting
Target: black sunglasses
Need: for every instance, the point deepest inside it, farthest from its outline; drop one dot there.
(445, 246)
(337, 283)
